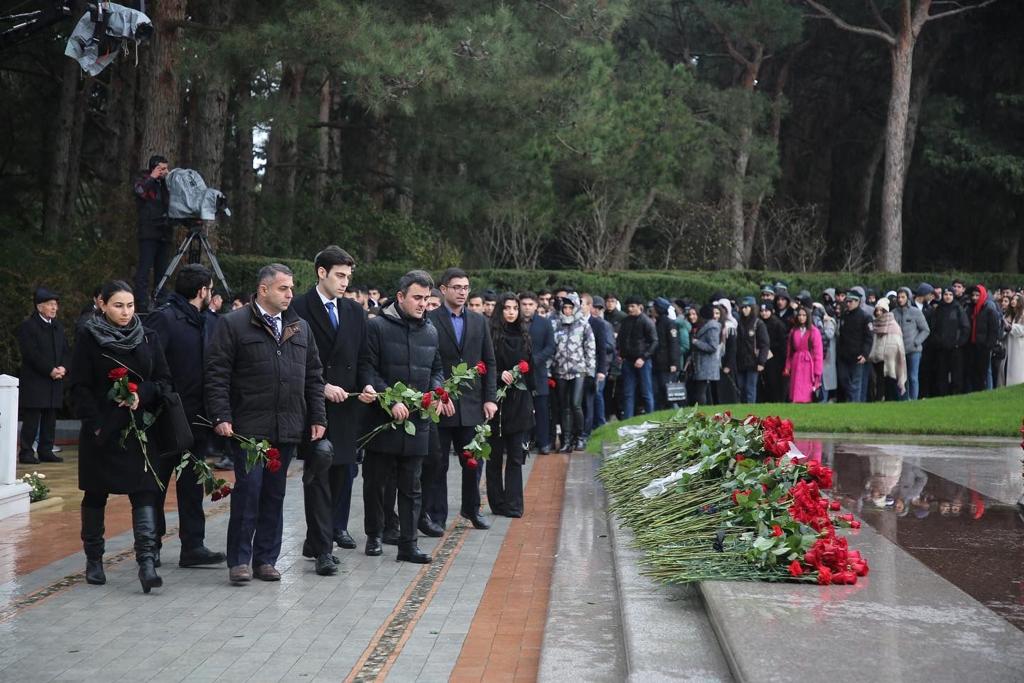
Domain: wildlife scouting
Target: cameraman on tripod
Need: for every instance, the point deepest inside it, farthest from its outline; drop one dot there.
(152, 199)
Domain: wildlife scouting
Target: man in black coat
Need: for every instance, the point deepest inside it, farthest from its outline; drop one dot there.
(986, 321)
(44, 356)
(853, 348)
(463, 337)
(637, 343)
(778, 333)
(154, 231)
(339, 327)
(401, 346)
(604, 351)
(263, 381)
(542, 341)
(666, 356)
(180, 330)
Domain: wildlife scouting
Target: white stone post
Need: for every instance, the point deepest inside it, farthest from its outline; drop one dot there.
(13, 493)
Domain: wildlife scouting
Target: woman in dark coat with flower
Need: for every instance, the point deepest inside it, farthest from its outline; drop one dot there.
(514, 421)
(110, 460)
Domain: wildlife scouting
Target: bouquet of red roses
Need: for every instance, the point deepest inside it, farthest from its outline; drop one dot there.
(256, 452)
(126, 394)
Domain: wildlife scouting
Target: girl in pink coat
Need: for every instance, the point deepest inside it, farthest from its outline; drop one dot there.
(803, 358)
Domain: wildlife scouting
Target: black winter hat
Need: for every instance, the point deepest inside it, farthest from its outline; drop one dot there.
(43, 294)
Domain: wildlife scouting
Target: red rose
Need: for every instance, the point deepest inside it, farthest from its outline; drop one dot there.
(776, 530)
(795, 569)
(740, 457)
(471, 463)
(860, 568)
(225, 490)
(847, 578)
(441, 393)
(824, 576)
(273, 454)
(133, 388)
(215, 496)
(273, 466)
(834, 505)
(467, 454)
(854, 524)
(524, 367)
(427, 399)
(117, 373)
(552, 383)
(847, 517)
(481, 368)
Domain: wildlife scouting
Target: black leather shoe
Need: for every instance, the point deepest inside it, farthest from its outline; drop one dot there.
(413, 554)
(29, 459)
(390, 537)
(428, 527)
(543, 450)
(50, 457)
(373, 546)
(326, 565)
(478, 520)
(198, 557)
(345, 540)
(307, 551)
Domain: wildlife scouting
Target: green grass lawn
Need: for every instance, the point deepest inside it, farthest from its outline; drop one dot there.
(985, 413)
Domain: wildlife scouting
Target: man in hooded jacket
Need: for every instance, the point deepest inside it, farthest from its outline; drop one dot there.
(985, 322)
(915, 330)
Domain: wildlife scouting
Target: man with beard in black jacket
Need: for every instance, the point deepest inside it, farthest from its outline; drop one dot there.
(263, 380)
(853, 348)
(339, 327)
(401, 346)
(950, 329)
(180, 328)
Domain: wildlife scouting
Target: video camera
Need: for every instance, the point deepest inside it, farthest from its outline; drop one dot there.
(191, 199)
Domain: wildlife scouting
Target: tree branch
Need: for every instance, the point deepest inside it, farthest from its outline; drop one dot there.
(736, 54)
(959, 10)
(878, 17)
(826, 13)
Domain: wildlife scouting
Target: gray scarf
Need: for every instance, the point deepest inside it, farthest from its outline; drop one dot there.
(109, 336)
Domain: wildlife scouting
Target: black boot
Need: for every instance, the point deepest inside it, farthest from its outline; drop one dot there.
(144, 526)
(92, 543)
(410, 552)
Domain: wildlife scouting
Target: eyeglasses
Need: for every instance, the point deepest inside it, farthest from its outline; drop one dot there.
(457, 288)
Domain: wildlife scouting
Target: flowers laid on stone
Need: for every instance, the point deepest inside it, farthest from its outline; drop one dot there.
(40, 491)
(721, 498)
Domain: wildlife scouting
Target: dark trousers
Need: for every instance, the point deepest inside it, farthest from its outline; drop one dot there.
(850, 375)
(342, 496)
(153, 255)
(322, 481)
(979, 364)
(947, 377)
(570, 399)
(774, 383)
(257, 503)
(405, 469)
(593, 406)
(456, 437)
(702, 392)
(542, 432)
(98, 501)
(505, 473)
(37, 420)
(191, 519)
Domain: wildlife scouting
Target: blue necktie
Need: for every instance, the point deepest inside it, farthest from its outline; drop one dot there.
(331, 314)
(272, 321)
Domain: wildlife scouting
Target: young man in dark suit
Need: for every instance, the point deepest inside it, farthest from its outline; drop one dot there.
(463, 337)
(339, 327)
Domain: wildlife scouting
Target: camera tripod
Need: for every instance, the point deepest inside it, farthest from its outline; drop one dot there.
(194, 245)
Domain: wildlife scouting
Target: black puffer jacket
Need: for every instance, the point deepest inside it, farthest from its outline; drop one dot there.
(152, 200)
(950, 327)
(180, 331)
(854, 336)
(399, 349)
(262, 387)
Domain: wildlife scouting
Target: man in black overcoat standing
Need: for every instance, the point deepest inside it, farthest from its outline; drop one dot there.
(263, 380)
(464, 337)
(339, 327)
(180, 328)
(44, 356)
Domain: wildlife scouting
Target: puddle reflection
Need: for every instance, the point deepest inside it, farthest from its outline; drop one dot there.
(952, 509)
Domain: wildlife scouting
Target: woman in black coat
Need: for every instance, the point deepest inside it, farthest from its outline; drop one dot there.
(116, 339)
(515, 413)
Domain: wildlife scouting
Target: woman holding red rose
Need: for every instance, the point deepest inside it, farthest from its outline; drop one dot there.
(512, 350)
(114, 347)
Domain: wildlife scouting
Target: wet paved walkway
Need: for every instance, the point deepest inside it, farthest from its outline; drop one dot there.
(378, 618)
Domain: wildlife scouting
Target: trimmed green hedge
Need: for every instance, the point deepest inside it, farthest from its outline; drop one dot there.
(697, 285)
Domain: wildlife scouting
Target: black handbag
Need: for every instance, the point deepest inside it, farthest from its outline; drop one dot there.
(171, 433)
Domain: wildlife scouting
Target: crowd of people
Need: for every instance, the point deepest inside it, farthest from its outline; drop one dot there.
(305, 372)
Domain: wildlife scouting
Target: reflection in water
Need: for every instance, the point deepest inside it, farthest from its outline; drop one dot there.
(972, 540)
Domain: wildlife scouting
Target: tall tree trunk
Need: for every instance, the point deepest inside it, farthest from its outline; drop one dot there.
(210, 92)
(323, 142)
(890, 243)
(161, 89)
(117, 165)
(867, 188)
(244, 219)
(278, 192)
(620, 259)
(737, 218)
(68, 118)
(1011, 258)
